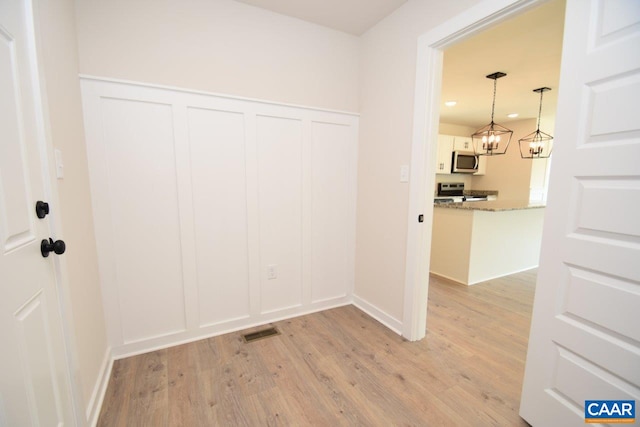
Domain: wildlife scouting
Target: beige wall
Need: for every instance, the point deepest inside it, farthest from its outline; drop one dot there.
(509, 173)
(219, 46)
(451, 129)
(59, 62)
(387, 79)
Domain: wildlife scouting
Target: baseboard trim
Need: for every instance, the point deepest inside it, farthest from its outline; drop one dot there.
(100, 389)
(159, 343)
(487, 278)
(389, 321)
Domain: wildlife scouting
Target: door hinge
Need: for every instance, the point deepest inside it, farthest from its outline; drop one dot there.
(420, 218)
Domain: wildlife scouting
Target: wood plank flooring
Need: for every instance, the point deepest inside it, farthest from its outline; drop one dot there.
(340, 367)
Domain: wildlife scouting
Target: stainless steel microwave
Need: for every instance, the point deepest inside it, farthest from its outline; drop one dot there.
(464, 162)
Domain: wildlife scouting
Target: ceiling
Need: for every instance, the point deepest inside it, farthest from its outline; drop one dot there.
(527, 48)
(350, 16)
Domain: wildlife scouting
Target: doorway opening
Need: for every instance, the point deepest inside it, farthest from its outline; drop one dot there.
(434, 47)
(470, 246)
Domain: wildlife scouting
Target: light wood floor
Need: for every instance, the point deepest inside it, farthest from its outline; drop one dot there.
(341, 367)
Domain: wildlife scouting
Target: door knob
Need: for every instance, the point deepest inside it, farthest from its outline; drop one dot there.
(42, 209)
(47, 246)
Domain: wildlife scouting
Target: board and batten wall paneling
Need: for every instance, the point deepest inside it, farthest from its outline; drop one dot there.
(217, 153)
(279, 145)
(199, 199)
(329, 215)
(138, 138)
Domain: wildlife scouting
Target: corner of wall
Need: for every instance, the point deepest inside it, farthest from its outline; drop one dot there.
(387, 320)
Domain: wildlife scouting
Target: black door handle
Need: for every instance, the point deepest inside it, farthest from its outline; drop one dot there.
(42, 209)
(47, 246)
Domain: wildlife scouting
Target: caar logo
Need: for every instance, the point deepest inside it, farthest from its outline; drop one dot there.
(609, 411)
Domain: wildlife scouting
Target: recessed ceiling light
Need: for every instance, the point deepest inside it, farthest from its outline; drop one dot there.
(512, 115)
(450, 103)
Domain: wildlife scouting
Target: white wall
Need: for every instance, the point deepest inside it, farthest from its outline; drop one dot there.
(55, 20)
(387, 80)
(219, 46)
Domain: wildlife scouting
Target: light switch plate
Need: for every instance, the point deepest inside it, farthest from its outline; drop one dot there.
(404, 173)
(272, 271)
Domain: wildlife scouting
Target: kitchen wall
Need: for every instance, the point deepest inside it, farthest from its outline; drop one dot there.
(453, 129)
(219, 46)
(513, 177)
(387, 83)
(55, 23)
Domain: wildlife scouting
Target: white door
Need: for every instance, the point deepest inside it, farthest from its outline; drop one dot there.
(34, 381)
(585, 334)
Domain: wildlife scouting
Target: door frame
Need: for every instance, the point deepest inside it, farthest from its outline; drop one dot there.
(426, 113)
(50, 190)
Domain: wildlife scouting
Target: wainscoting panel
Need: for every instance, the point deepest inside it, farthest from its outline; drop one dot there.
(330, 210)
(217, 148)
(138, 140)
(279, 143)
(215, 213)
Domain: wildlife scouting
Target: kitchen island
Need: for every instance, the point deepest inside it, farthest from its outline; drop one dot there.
(477, 241)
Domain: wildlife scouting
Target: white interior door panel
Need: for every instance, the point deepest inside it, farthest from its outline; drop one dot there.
(584, 342)
(35, 386)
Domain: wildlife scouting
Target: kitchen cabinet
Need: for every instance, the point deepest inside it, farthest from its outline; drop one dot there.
(445, 148)
(462, 143)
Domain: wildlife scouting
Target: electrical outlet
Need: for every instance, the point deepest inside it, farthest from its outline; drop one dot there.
(272, 271)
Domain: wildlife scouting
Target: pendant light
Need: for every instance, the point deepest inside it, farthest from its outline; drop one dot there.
(537, 145)
(492, 139)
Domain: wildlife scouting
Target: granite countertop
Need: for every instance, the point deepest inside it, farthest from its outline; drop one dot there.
(492, 205)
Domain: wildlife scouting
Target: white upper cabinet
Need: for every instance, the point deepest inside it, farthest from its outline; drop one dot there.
(462, 143)
(445, 148)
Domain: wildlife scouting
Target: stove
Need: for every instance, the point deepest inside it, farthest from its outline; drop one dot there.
(452, 192)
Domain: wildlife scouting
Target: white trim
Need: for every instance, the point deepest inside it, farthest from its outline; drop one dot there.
(484, 279)
(387, 320)
(425, 128)
(216, 94)
(128, 350)
(100, 389)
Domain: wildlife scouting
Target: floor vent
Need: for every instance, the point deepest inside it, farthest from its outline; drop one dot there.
(265, 333)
